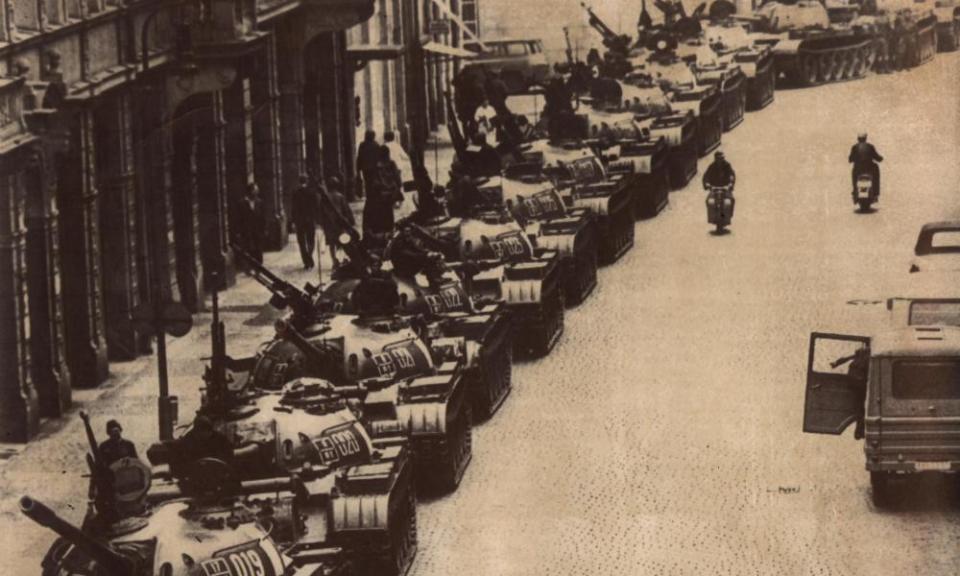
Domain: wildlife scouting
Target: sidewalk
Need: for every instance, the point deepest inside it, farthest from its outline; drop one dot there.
(51, 466)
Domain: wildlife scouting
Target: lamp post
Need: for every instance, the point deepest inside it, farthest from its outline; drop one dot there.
(160, 316)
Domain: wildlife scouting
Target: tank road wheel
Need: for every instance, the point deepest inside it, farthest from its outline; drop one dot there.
(836, 65)
(810, 70)
(843, 65)
(856, 66)
(403, 538)
(824, 65)
(851, 63)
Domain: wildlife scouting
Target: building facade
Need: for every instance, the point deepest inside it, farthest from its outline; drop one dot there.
(128, 130)
(406, 56)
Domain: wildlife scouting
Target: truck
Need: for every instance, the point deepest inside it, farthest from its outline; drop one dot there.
(901, 386)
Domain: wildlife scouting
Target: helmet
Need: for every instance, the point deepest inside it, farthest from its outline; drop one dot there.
(719, 155)
(862, 136)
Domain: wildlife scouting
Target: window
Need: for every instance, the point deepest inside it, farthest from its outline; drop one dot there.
(926, 380)
(516, 49)
(946, 241)
(25, 16)
(927, 313)
(3, 20)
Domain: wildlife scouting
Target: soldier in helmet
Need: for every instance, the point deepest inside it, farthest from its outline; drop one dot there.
(116, 447)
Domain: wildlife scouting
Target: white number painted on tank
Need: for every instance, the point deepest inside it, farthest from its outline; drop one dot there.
(403, 357)
(435, 302)
(451, 296)
(243, 563)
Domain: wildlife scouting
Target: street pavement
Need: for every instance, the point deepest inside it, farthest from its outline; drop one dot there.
(663, 434)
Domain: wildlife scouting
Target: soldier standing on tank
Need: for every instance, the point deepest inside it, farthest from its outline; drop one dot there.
(116, 447)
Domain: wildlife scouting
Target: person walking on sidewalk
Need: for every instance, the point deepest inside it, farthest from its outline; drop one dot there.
(385, 193)
(335, 215)
(305, 213)
(368, 154)
(250, 224)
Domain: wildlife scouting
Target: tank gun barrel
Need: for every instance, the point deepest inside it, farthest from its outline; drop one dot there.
(426, 236)
(112, 563)
(599, 25)
(284, 293)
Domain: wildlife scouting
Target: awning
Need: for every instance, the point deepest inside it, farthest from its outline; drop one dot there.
(368, 52)
(438, 48)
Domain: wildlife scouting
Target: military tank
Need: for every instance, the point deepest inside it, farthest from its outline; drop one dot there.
(217, 523)
(617, 150)
(530, 199)
(525, 278)
(730, 40)
(654, 59)
(431, 290)
(808, 47)
(383, 358)
(584, 183)
(704, 101)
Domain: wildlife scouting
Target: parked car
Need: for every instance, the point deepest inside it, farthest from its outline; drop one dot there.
(938, 248)
(521, 62)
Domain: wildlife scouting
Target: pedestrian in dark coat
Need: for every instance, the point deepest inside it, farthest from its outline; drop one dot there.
(116, 447)
(368, 154)
(305, 214)
(335, 215)
(251, 222)
(386, 191)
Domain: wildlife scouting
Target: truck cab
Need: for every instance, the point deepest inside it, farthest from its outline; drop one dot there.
(906, 390)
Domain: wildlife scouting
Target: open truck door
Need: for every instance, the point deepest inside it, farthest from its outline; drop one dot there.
(834, 399)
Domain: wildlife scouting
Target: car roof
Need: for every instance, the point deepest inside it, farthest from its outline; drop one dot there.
(918, 341)
(942, 225)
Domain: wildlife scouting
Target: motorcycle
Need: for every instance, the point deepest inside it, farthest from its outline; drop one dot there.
(720, 204)
(865, 192)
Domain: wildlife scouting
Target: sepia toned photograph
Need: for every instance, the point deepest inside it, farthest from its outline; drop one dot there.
(480, 287)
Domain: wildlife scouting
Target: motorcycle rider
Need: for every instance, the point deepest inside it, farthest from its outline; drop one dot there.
(719, 174)
(864, 158)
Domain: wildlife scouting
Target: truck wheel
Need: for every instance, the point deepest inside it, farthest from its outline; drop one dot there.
(880, 484)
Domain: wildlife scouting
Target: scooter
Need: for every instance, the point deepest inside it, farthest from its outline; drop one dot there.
(865, 191)
(720, 204)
